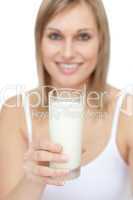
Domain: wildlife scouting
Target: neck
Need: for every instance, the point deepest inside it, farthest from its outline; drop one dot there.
(81, 86)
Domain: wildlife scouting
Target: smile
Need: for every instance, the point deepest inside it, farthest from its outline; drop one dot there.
(68, 69)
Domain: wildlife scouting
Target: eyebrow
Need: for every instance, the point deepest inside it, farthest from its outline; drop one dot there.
(80, 30)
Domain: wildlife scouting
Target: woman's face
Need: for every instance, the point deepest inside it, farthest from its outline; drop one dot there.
(70, 46)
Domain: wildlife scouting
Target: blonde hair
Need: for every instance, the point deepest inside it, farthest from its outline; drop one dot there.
(50, 8)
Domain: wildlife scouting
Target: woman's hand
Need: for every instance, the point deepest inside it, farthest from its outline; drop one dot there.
(37, 160)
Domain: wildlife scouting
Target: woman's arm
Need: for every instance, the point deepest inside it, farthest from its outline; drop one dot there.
(26, 189)
(129, 133)
(13, 146)
(25, 178)
(130, 151)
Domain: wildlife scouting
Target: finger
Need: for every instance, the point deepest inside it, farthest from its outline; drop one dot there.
(47, 145)
(54, 182)
(46, 180)
(44, 171)
(48, 156)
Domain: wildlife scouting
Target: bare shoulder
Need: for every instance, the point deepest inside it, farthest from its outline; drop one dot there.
(126, 114)
(112, 96)
(126, 107)
(11, 111)
(112, 92)
(125, 121)
(12, 114)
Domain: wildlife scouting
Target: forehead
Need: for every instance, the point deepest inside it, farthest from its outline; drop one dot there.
(79, 16)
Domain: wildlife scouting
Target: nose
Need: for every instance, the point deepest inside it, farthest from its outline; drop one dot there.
(68, 50)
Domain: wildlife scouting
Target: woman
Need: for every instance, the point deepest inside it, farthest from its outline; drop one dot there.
(72, 46)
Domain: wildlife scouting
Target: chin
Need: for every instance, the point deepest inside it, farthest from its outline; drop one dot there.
(73, 85)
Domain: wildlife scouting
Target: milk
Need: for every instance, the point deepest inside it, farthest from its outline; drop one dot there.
(65, 127)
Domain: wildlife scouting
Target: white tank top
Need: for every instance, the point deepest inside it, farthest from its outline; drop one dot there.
(105, 178)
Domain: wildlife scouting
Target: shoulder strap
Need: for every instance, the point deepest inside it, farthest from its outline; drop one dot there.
(117, 112)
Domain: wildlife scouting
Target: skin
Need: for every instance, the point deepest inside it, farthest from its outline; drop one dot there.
(28, 182)
(64, 42)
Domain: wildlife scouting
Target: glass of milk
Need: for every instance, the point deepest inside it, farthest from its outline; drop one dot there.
(66, 118)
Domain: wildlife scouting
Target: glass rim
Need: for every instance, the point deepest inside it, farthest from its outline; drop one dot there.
(59, 97)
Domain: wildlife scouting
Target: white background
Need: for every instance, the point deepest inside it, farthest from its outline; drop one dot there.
(17, 54)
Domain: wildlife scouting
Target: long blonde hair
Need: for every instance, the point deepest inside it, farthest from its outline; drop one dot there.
(50, 8)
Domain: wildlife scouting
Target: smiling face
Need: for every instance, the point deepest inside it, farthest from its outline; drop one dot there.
(70, 46)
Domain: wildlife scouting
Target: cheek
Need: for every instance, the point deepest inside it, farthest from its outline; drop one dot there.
(91, 53)
(92, 50)
(48, 50)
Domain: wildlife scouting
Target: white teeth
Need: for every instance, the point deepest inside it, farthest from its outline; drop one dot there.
(69, 66)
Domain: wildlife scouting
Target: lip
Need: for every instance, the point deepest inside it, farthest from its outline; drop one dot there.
(68, 71)
(69, 63)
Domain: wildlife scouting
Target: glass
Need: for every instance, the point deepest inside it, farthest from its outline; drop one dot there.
(66, 117)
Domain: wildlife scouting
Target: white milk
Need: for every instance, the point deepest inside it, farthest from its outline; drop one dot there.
(65, 126)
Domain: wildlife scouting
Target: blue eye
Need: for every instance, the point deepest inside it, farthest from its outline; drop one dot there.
(54, 36)
(84, 37)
